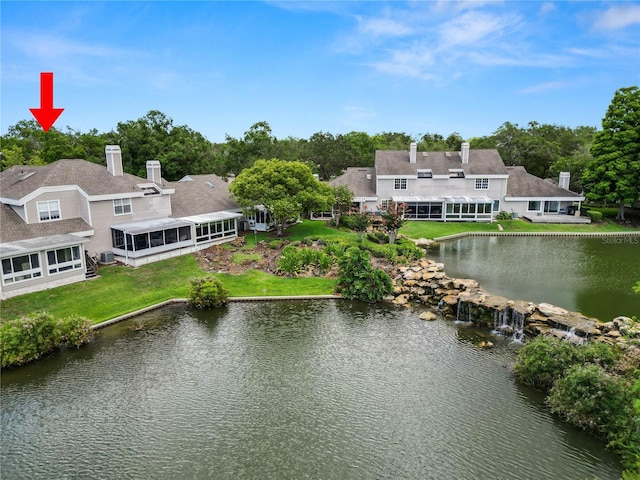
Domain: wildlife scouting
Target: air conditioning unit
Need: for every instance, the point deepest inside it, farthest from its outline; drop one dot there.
(106, 257)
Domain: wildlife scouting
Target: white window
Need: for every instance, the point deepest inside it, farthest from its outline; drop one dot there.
(384, 204)
(48, 211)
(400, 184)
(456, 173)
(425, 173)
(64, 259)
(121, 206)
(19, 269)
(534, 206)
(482, 184)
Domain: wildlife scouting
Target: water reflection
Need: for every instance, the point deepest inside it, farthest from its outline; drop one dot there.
(286, 390)
(581, 274)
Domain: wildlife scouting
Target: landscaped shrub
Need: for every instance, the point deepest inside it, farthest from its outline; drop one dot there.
(275, 244)
(378, 237)
(595, 215)
(31, 337)
(325, 262)
(293, 260)
(502, 215)
(542, 360)
(335, 248)
(592, 399)
(590, 386)
(207, 292)
(409, 251)
(290, 261)
(358, 280)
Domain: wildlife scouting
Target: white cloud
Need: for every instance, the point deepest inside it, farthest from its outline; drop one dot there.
(617, 17)
(383, 27)
(51, 46)
(547, 7)
(545, 87)
(473, 28)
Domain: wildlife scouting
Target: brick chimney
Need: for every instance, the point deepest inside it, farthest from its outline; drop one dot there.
(114, 160)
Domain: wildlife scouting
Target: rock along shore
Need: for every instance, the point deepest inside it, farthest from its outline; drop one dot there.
(425, 282)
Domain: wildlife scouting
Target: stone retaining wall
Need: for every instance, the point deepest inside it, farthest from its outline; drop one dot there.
(426, 282)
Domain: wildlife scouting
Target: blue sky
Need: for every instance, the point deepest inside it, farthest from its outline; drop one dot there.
(306, 67)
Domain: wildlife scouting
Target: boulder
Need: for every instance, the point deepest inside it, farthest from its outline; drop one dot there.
(549, 310)
(401, 299)
(428, 316)
(485, 344)
(465, 283)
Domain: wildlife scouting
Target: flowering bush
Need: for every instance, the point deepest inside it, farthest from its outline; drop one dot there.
(393, 219)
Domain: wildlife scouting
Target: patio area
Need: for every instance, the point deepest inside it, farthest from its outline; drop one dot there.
(556, 218)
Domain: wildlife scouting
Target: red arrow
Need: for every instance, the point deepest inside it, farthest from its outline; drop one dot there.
(46, 115)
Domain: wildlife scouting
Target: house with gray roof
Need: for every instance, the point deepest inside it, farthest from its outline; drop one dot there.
(469, 185)
(55, 220)
(531, 197)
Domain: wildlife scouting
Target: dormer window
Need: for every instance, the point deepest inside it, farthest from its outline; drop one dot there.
(456, 173)
(48, 211)
(425, 173)
(150, 191)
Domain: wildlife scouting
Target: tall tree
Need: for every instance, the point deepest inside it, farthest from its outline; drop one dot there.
(285, 189)
(614, 173)
(179, 149)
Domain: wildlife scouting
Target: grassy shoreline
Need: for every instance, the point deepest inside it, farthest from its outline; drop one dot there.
(120, 290)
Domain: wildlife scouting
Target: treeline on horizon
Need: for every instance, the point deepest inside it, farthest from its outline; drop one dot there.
(543, 149)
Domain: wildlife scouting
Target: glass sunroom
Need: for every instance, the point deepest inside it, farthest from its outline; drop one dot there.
(447, 209)
(149, 237)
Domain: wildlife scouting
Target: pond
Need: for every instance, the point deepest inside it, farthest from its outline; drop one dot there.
(277, 390)
(593, 276)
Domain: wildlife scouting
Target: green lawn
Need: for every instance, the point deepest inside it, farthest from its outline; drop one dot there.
(121, 290)
(255, 283)
(117, 291)
(441, 229)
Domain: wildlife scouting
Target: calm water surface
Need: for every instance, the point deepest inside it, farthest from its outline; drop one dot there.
(589, 275)
(324, 390)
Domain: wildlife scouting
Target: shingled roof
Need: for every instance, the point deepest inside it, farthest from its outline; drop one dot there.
(361, 181)
(94, 179)
(199, 195)
(481, 162)
(13, 227)
(523, 184)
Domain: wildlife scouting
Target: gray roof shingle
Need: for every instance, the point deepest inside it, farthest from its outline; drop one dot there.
(13, 228)
(523, 184)
(18, 181)
(481, 162)
(361, 181)
(202, 194)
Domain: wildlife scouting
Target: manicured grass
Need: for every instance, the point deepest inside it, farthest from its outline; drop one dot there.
(121, 290)
(419, 229)
(257, 283)
(441, 229)
(117, 291)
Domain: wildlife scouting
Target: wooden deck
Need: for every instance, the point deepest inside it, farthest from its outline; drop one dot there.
(556, 219)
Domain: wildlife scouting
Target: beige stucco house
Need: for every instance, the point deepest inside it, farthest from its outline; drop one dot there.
(469, 186)
(56, 220)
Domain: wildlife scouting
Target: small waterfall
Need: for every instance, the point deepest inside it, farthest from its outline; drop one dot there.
(509, 323)
(572, 337)
(463, 312)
